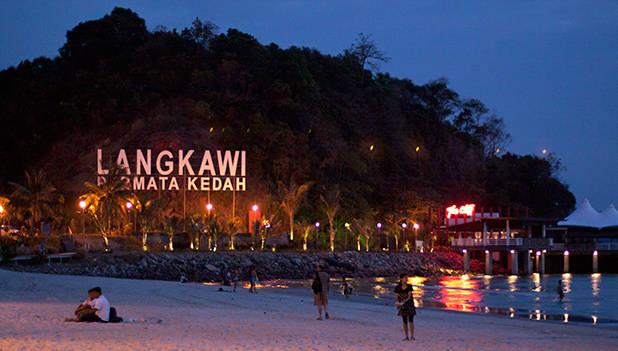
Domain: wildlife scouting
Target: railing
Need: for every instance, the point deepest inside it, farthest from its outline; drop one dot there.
(534, 243)
(487, 242)
(607, 246)
(539, 243)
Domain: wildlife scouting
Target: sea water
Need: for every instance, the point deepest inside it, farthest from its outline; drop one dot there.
(590, 299)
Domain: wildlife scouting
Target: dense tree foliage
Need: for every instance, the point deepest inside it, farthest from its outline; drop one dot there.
(386, 143)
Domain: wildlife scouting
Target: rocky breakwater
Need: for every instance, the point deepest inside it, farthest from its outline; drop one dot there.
(210, 266)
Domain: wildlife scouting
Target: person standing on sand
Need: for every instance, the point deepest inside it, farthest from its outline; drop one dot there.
(559, 290)
(405, 305)
(321, 295)
(253, 278)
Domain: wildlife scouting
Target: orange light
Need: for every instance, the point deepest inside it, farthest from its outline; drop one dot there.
(255, 208)
(129, 205)
(82, 204)
(209, 207)
(416, 226)
(466, 210)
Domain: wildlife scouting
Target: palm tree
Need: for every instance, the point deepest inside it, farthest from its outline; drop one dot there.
(37, 195)
(148, 212)
(291, 197)
(108, 199)
(263, 228)
(170, 222)
(213, 229)
(364, 228)
(331, 207)
(306, 229)
(393, 223)
(233, 225)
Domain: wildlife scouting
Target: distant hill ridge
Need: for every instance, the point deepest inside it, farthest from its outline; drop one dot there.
(389, 144)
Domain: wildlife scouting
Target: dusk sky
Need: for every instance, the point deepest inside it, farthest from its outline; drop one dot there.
(548, 68)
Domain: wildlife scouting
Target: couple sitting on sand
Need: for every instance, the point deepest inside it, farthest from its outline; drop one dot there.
(96, 309)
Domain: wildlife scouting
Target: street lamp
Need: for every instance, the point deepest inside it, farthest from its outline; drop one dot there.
(82, 205)
(404, 226)
(129, 207)
(317, 229)
(255, 208)
(347, 227)
(209, 207)
(415, 226)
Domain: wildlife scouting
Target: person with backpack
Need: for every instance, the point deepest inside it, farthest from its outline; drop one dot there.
(96, 309)
(320, 290)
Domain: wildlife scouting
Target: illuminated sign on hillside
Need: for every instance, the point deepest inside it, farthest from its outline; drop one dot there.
(465, 210)
(178, 170)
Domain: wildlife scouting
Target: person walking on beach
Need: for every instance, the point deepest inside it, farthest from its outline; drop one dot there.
(320, 298)
(405, 305)
(560, 291)
(253, 279)
(347, 289)
(236, 278)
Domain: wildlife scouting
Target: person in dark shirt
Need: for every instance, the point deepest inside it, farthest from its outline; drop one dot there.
(559, 290)
(405, 305)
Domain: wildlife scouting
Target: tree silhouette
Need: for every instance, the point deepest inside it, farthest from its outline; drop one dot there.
(367, 53)
(330, 202)
(291, 196)
(107, 200)
(37, 196)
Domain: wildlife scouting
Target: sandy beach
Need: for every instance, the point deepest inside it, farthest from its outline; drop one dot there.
(163, 315)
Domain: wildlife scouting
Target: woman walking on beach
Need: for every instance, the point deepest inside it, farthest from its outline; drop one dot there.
(405, 305)
(253, 278)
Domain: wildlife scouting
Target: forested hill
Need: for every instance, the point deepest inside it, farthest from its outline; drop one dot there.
(389, 144)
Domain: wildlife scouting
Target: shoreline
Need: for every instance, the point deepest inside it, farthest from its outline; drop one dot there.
(175, 316)
(211, 266)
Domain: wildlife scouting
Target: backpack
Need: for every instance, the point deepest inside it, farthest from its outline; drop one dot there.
(317, 285)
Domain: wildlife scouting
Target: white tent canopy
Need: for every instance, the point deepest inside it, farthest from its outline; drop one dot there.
(586, 216)
(609, 217)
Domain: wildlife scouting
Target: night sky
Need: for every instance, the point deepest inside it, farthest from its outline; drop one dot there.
(549, 68)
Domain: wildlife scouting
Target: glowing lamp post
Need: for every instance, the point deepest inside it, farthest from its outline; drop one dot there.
(416, 226)
(129, 207)
(404, 226)
(254, 215)
(347, 227)
(209, 207)
(82, 205)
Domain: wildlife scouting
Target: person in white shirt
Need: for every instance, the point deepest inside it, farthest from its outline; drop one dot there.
(100, 304)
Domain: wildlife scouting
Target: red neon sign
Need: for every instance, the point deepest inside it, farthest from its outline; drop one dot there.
(465, 210)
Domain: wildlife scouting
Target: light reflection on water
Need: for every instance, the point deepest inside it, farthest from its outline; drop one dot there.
(532, 297)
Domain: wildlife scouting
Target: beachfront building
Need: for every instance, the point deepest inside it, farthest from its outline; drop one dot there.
(504, 236)
(589, 238)
(523, 244)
